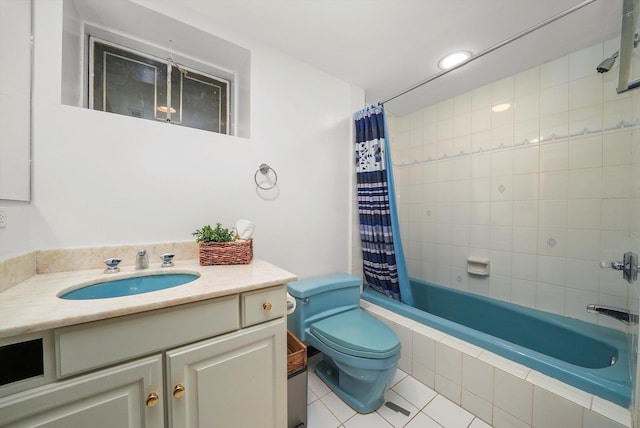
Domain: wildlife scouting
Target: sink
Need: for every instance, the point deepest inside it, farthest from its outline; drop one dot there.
(129, 286)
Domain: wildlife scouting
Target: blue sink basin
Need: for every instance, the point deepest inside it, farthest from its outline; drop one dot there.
(129, 286)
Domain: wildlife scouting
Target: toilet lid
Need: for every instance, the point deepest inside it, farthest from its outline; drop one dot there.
(358, 334)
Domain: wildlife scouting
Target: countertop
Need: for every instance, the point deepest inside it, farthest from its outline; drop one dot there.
(33, 305)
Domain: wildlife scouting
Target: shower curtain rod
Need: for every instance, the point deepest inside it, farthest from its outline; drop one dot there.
(493, 48)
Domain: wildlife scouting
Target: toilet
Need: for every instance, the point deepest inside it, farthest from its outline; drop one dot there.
(360, 353)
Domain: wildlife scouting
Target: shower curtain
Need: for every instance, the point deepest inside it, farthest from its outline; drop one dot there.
(383, 257)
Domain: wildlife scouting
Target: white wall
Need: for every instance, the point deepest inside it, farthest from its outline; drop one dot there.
(543, 189)
(102, 179)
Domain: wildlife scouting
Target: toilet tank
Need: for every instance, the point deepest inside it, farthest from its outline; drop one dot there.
(319, 298)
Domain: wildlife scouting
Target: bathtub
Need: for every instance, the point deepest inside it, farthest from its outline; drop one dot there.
(592, 358)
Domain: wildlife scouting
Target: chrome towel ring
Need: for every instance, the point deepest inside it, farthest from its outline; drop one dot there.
(264, 170)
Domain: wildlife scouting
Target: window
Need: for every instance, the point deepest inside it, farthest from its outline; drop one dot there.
(135, 84)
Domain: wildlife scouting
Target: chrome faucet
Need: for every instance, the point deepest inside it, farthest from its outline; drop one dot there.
(623, 315)
(142, 259)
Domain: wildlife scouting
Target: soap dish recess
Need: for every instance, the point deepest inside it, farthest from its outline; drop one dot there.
(478, 266)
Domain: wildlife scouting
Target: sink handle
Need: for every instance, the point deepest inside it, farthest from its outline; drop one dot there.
(167, 259)
(112, 265)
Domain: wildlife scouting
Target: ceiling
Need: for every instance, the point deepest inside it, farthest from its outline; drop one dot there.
(386, 46)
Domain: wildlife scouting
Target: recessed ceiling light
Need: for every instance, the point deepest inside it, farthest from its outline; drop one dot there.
(500, 107)
(453, 59)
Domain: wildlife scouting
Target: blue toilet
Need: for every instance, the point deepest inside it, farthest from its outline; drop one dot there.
(360, 353)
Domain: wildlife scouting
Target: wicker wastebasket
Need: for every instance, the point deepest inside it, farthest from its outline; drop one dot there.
(296, 382)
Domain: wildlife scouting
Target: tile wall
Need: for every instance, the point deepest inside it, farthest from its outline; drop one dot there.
(543, 188)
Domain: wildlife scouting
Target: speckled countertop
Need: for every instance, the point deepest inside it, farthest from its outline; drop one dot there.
(33, 305)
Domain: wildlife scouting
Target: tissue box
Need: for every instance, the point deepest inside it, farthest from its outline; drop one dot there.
(238, 252)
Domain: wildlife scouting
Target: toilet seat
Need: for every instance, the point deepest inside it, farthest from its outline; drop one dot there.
(358, 334)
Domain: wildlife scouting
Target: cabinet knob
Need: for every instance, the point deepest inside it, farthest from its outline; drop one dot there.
(178, 391)
(152, 399)
(266, 306)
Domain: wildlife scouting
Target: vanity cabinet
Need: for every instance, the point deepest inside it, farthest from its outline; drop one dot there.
(113, 397)
(198, 365)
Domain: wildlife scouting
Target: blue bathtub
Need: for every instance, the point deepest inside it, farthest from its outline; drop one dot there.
(587, 356)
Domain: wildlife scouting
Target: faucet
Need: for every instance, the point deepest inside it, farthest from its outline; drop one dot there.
(142, 259)
(623, 315)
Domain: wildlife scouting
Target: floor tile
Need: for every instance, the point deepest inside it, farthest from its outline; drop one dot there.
(339, 408)
(317, 385)
(397, 377)
(319, 416)
(479, 423)
(397, 419)
(311, 397)
(415, 392)
(422, 421)
(371, 420)
(447, 413)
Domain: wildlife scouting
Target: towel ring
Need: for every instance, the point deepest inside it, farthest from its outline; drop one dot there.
(264, 169)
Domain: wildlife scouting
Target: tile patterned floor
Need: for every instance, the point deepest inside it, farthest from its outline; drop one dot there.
(427, 408)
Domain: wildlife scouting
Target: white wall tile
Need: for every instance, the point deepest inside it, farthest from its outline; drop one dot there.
(502, 419)
(525, 240)
(449, 363)
(586, 91)
(478, 407)
(554, 72)
(585, 152)
(449, 389)
(553, 213)
(615, 182)
(523, 292)
(583, 244)
(524, 266)
(525, 160)
(585, 120)
(525, 187)
(554, 156)
(554, 99)
(554, 185)
(502, 163)
(616, 214)
(550, 298)
(584, 213)
(477, 377)
(462, 104)
(525, 213)
(617, 148)
(583, 274)
(513, 395)
(585, 183)
(550, 410)
(526, 82)
(554, 126)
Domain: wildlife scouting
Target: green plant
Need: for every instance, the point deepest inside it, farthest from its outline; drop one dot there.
(217, 234)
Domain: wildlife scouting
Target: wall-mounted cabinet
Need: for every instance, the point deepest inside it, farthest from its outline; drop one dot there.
(15, 100)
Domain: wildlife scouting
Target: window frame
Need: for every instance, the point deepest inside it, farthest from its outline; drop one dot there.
(224, 110)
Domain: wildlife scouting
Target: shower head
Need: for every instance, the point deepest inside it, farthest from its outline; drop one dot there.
(606, 65)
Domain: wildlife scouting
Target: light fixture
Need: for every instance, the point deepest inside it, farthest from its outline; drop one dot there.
(453, 59)
(500, 107)
(163, 109)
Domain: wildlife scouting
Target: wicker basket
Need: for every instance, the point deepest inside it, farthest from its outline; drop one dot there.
(239, 252)
(296, 353)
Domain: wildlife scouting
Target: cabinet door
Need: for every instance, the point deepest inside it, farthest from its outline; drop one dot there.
(237, 380)
(114, 397)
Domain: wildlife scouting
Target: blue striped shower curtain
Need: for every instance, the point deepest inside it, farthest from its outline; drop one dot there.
(383, 258)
